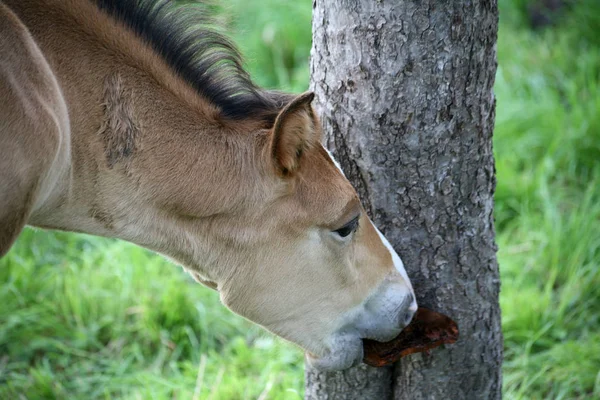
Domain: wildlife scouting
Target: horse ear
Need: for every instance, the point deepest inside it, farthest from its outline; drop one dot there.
(294, 131)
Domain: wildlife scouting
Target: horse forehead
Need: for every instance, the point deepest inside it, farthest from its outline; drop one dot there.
(334, 161)
(324, 169)
(322, 185)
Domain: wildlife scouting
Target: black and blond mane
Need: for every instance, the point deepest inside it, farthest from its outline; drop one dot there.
(204, 58)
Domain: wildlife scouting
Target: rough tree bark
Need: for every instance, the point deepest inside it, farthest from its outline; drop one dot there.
(404, 91)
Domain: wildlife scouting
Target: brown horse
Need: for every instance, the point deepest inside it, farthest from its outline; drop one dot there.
(131, 120)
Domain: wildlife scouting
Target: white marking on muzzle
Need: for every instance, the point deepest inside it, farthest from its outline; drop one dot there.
(398, 264)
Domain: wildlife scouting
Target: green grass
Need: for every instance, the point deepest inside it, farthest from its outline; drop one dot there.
(85, 317)
(547, 146)
(91, 318)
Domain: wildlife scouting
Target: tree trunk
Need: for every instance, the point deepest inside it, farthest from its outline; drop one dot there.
(404, 91)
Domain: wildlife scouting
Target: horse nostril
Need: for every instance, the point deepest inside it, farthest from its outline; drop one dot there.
(407, 316)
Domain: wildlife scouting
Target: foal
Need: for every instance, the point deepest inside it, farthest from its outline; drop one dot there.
(130, 120)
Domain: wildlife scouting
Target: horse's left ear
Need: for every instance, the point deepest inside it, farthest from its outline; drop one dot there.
(294, 131)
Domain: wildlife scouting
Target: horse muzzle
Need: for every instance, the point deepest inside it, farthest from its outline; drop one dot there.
(381, 317)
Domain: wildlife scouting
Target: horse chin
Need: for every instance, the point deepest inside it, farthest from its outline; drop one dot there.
(346, 352)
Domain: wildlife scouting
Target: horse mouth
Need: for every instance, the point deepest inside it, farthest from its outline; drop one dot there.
(347, 352)
(427, 330)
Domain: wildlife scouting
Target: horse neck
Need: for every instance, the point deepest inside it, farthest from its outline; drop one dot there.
(149, 157)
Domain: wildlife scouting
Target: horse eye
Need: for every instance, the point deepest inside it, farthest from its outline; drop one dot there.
(347, 229)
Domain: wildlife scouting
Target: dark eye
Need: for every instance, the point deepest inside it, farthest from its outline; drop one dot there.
(347, 229)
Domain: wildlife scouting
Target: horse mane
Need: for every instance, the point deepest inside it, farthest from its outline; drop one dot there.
(203, 57)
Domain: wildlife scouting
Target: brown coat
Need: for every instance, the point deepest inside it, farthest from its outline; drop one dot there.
(100, 134)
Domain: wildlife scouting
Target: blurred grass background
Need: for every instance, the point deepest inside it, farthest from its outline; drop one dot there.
(91, 318)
